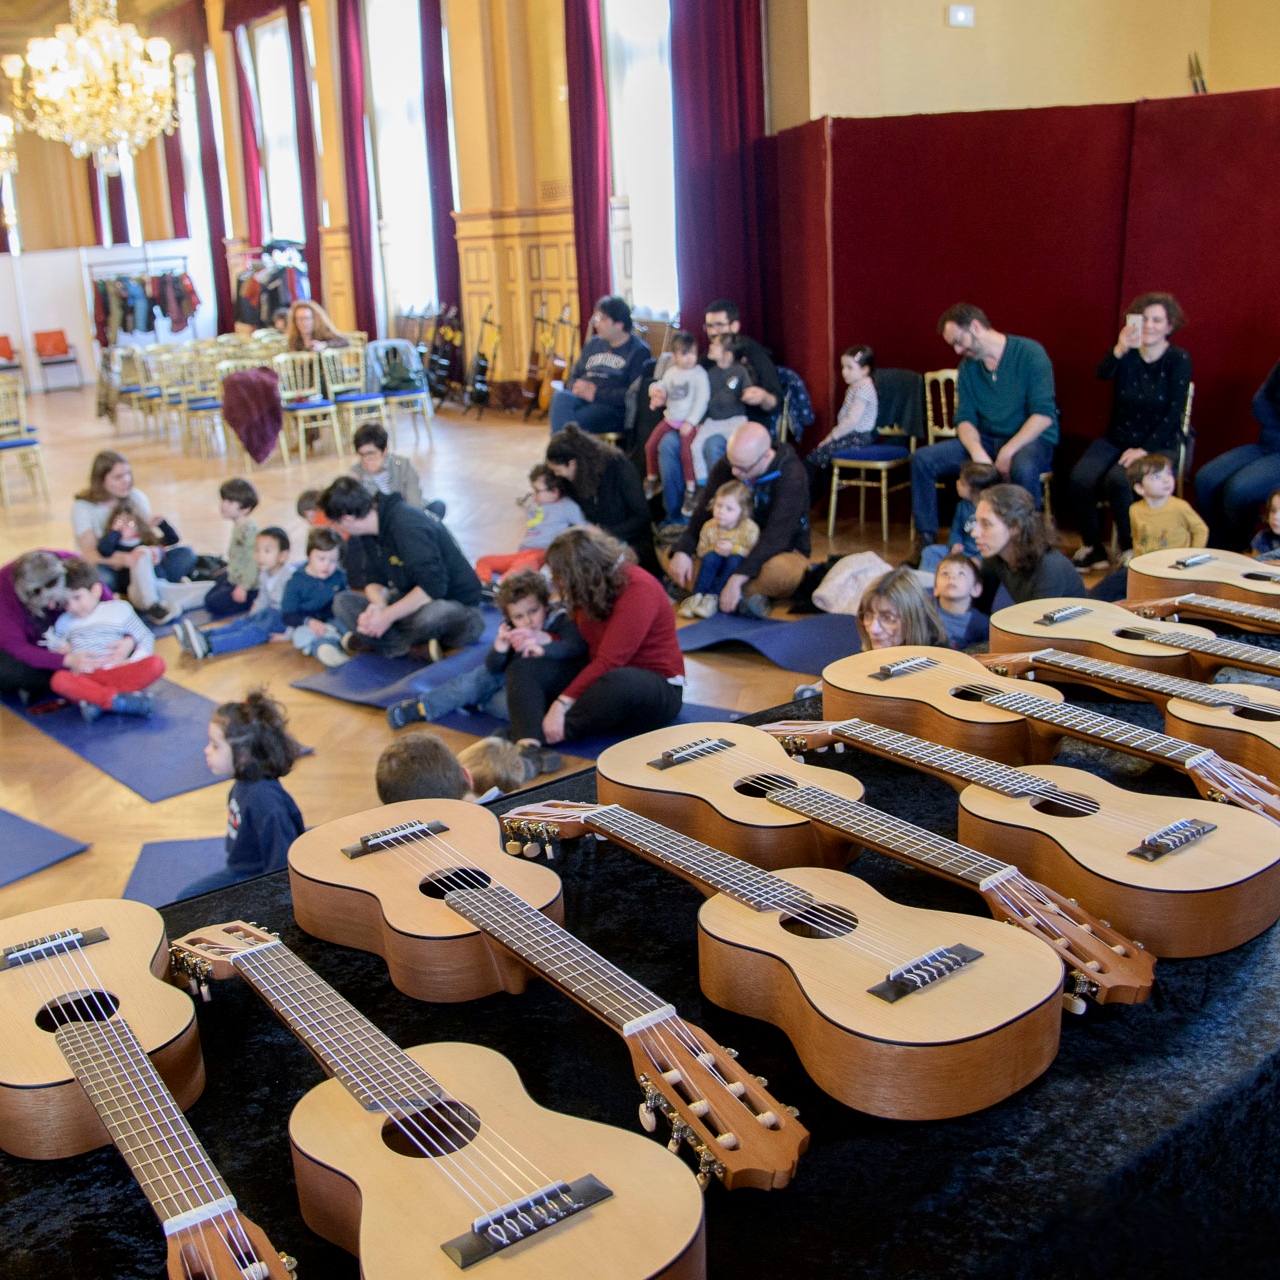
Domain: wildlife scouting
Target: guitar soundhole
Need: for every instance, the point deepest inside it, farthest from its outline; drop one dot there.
(1262, 714)
(1065, 805)
(86, 1006)
(973, 692)
(440, 883)
(759, 785)
(433, 1131)
(820, 920)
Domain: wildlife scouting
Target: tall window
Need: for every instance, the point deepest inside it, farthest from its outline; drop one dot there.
(394, 40)
(638, 62)
(9, 212)
(273, 74)
(192, 174)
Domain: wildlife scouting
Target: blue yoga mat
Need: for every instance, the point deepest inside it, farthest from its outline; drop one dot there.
(158, 757)
(587, 748)
(805, 645)
(165, 867)
(27, 847)
(376, 681)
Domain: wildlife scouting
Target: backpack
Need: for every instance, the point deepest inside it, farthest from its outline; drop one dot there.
(398, 376)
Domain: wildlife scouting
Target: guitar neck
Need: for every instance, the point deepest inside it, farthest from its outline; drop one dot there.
(368, 1063)
(558, 956)
(145, 1123)
(1216, 607)
(1117, 676)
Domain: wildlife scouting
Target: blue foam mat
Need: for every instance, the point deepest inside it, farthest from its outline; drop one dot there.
(165, 867)
(158, 757)
(587, 748)
(806, 644)
(27, 847)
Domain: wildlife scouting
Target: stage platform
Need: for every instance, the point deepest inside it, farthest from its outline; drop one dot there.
(1150, 1146)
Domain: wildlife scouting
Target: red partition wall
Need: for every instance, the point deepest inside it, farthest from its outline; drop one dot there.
(1204, 206)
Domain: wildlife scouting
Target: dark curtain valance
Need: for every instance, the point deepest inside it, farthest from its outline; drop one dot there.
(237, 13)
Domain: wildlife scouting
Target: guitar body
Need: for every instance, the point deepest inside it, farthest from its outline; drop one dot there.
(961, 1044)
(711, 798)
(1212, 895)
(1227, 574)
(45, 1114)
(395, 1211)
(1249, 736)
(931, 703)
(376, 902)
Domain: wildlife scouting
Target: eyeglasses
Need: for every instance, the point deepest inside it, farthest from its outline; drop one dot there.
(716, 326)
(742, 468)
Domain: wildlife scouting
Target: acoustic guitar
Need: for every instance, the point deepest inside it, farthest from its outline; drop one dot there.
(1246, 617)
(1214, 573)
(1186, 877)
(99, 962)
(730, 783)
(430, 1160)
(432, 888)
(953, 699)
(476, 390)
(80, 991)
(541, 337)
(899, 1012)
(564, 351)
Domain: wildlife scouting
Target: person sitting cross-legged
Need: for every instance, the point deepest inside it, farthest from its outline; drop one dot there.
(594, 395)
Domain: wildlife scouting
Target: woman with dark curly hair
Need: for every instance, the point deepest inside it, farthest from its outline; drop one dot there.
(634, 676)
(1014, 541)
(606, 486)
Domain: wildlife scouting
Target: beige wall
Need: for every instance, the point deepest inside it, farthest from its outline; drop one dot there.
(1244, 45)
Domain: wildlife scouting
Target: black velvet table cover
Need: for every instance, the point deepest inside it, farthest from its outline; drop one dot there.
(1150, 1146)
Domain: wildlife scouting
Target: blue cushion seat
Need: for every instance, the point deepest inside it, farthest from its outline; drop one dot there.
(299, 406)
(131, 389)
(206, 403)
(357, 397)
(20, 443)
(874, 453)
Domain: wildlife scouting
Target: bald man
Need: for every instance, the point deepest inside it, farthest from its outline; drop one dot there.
(780, 493)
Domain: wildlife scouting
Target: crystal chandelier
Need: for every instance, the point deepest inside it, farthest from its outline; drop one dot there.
(95, 85)
(8, 156)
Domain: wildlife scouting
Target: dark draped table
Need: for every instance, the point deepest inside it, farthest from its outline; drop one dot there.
(1150, 1146)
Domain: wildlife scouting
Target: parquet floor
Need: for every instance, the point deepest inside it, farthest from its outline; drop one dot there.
(478, 467)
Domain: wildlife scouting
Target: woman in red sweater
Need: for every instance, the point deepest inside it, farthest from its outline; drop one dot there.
(634, 677)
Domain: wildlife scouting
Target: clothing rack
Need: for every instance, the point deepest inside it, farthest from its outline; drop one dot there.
(130, 268)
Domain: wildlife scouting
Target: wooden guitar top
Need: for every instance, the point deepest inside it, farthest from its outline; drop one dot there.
(1219, 573)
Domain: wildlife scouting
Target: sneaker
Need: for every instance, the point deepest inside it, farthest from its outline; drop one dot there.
(1122, 561)
(756, 606)
(1087, 558)
(690, 503)
(90, 711)
(807, 691)
(161, 614)
(709, 605)
(688, 607)
(547, 760)
(409, 711)
(652, 487)
(427, 651)
(331, 654)
(132, 704)
(437, 508)
(192, 639)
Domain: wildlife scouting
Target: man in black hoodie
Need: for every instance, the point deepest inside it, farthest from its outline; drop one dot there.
(414, 584)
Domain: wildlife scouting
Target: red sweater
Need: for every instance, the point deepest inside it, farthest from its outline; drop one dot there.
(640, 632)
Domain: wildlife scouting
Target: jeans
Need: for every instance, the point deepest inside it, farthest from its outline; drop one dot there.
(453, 624)
(1099, 474)
(478, 687)
(708, 449)
(245, 632)
(714, 572)
(592, 417)
(306, 641)
(1229, 491)
(219, 601)
(942, 461)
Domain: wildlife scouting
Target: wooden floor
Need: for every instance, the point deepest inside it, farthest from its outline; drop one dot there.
(478, 468)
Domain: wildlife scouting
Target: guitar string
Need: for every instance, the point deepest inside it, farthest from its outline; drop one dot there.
(417, 852)
(76, 970)
(295, 990)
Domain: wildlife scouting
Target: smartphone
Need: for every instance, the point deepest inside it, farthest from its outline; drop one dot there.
(1133, 327)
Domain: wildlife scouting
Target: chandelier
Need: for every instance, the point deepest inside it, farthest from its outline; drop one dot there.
(8, 156)
(95, 85)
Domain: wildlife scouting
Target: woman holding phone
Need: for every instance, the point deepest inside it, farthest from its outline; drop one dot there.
(1152, 378)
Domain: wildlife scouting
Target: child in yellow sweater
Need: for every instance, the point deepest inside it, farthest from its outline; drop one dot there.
(1158, 518)
(725, 539)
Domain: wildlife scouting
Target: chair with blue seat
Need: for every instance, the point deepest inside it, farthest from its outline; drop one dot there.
(201, 393)
(344, 380)
(18, 440)
(303, 399)
(900, 421)
(397, 360)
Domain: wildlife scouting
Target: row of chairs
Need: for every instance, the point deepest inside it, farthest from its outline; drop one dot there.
(52, 351)
(18, 440)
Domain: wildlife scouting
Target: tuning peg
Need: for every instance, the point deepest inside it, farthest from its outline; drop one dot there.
(531, 850)
(1073, 1004)
(674, 1144)
(793, 1112)
(762, 1082)
(648, 1121)
(192, 985)
(704, 1179)
(731, 1053)
(513, 847)
(204, 992)
(799, 757)
(839, 748)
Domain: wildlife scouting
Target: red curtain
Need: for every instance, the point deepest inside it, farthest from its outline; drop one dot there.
(249, 145)
(306, 146)
(717, 90)
(359, 217)
(177, 185)
(435, 104)
(95, 204)
(239, 13)
(116, 208)
(588, 150)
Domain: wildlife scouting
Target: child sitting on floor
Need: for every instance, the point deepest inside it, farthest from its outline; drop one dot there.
(956, 585)
(251, 740)
(725, 539)
(687, 392)
(495, 767)
(1266, 541)
(974, 477)
(307, 604)
(234, 589)
(551, 511)
(265, 621)
(421, 767)
(117, 641)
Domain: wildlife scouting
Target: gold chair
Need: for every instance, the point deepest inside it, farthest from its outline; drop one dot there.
(415, 401)
(303, 398)
(201, 401)
(344, 380)
(18, 440)
(223, 370)
(872, 471)
(356, 337)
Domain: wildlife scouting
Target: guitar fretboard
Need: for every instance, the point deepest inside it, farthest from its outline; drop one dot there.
(1216, 608)
(1115, 673)
(1232, 652)
(560, 957)
(370, 1065)
(144, 1121)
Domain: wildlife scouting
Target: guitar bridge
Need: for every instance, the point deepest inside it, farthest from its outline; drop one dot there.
(391, 837)
(1190, 562)
(508, 1225)
(1064, 614)
(1175, 836)
(924, 972)
(53, 944)
(904, 667)
(694, 750)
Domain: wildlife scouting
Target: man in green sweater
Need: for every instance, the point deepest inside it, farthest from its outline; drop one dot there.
(1005, 414)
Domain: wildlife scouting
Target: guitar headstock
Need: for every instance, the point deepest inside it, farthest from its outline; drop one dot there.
(207, 953)
(1015, 666)
(535, 825)
(804, 735)
(227, 1247)
(739, 1132)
